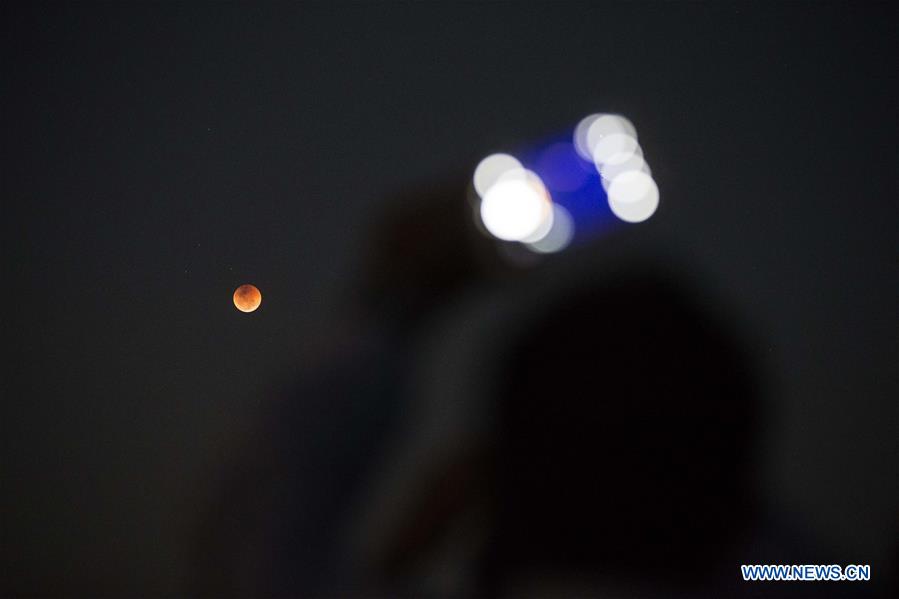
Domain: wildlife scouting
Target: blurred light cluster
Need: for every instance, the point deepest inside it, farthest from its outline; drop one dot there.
(610, 142)
(602, 163)
(515, 205)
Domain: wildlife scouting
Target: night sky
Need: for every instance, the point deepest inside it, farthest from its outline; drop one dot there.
(156, 157)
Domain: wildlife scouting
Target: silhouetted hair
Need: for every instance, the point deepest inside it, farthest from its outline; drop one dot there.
(625, 425)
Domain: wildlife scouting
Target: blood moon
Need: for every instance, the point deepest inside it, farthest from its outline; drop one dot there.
(247, 298)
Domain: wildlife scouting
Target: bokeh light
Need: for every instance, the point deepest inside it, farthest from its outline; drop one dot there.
(605, 125)
(515, 206)
(615, 148)
(610, 142)
(543, 229)
(560, 167)
(490, 169)
(633, 196)
(583, 184)
(580, 136)
(560, 233)
(635, 163)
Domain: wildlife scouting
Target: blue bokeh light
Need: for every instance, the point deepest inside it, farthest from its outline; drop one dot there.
(573, 182)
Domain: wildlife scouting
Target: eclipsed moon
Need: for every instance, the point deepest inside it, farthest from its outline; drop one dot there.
(247, 298)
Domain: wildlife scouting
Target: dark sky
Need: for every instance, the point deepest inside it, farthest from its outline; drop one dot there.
(155, 157)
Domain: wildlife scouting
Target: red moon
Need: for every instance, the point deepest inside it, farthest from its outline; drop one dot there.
(247, 298)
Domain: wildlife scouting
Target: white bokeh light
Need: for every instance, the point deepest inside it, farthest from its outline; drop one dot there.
(559, 235)
(633, 196)
(491, 169)
(543, 230)
(610, 142)
(636, 162)
(605, 125)
(615, 148)
(591, 129)
(516, 206)
(580, 136)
